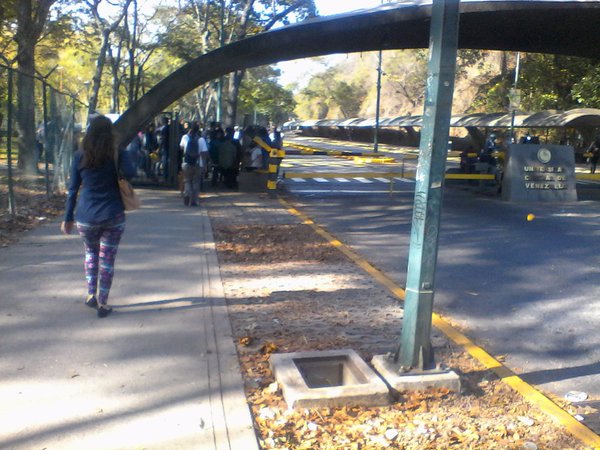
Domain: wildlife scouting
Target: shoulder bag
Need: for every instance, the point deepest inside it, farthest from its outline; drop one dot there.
(130, 199)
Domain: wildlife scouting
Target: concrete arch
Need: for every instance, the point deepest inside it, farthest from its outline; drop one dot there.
(548, 26)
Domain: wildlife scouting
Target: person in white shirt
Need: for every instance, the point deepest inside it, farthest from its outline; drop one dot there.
(255, 157)
(195, 157)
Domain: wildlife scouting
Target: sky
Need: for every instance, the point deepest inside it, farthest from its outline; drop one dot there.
(328, 7)
(300, 71)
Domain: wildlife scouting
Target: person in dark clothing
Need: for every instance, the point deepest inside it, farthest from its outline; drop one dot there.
(150, 150)
(163, 140)
(594, 151)
(487, 152)
(94, 201)
(239, 155)
(216, 137)
(468, 158)
(229, 157)
(264, 135)
(276, 138)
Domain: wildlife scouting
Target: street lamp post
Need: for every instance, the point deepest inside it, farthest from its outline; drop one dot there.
(377, 103)
(514, 99)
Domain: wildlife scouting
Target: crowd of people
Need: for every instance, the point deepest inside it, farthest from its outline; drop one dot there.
(211, 153)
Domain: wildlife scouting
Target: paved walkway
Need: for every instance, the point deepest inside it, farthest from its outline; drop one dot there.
(160, 372)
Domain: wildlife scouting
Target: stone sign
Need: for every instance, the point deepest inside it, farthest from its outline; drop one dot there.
(542, 173)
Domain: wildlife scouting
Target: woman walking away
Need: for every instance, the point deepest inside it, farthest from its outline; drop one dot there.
(99, 209)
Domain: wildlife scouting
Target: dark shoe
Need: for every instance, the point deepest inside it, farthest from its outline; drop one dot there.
(194, 204)
(104, 311)
(91, 301)
(186, 200)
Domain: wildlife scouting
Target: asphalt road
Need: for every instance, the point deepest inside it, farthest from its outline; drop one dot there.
(528, 291)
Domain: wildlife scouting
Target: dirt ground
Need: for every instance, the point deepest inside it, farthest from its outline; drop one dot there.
(288, 291)
(33, 207)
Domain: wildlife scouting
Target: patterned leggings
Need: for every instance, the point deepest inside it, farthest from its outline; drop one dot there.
(101, 242)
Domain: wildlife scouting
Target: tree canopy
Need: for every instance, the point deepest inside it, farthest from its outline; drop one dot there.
(483, 82)
(108, 53)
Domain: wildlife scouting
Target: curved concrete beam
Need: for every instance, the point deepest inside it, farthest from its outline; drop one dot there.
(549, 26)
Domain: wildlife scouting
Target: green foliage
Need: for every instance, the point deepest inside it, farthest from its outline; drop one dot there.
(406, 72)
(261, 93)
(329, 92)
(492, 96)
(348, 97)
(546, 82)
(183, 36)
(587, 91)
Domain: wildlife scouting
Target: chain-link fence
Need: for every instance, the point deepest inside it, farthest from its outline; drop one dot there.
(58, 118)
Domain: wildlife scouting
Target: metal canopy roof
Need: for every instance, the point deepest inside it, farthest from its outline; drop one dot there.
(549, 26)
(574, 118)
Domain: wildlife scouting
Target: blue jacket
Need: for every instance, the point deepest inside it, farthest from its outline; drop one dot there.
(99, 199)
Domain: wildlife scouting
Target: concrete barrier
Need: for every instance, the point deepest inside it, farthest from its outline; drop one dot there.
(255, 181)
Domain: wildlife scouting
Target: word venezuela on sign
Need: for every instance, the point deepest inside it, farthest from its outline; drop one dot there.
(542, 173)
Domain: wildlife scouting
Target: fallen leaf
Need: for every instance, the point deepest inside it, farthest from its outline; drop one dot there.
(245, 341)
(268, 348)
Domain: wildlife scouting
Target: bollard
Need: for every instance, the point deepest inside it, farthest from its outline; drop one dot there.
(275, 157)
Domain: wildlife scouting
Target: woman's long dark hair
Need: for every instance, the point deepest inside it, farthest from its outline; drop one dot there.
(98, 143)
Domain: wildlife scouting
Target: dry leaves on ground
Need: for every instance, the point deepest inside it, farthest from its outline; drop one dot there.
(33, 207)
(272, 244)
(346, 311)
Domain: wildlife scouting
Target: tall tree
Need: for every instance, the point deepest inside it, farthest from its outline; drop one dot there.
(220, 22)
(273, 12)
(261, 94)
(547, 81)
(105, 28)
(31, 19)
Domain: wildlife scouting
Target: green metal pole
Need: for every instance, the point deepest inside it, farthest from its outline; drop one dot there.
(378, 103)
(12, 208)
(46, 140)
(221, 79)
(415, 344)
(513, 111)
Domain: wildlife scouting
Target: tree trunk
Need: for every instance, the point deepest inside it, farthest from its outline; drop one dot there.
(132, 47)
(29, 29)
(107, 30)
(114, 62)
(235, 81)
(97, 79)
(25, 114)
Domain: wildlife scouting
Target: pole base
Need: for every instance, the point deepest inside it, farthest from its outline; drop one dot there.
(398, 379)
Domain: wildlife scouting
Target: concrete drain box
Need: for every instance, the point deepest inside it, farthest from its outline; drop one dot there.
(327, 378)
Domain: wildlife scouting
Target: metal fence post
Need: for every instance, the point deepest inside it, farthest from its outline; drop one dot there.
(9, 131)
(46, 141)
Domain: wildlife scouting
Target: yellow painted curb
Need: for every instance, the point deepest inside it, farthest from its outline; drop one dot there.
(526, 390)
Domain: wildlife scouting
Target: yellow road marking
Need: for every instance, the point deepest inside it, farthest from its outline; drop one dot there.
(449, 176)
(469, 176)
(588, 176)
(526, 390)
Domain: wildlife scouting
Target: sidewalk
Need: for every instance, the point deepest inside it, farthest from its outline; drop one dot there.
(160, 372)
